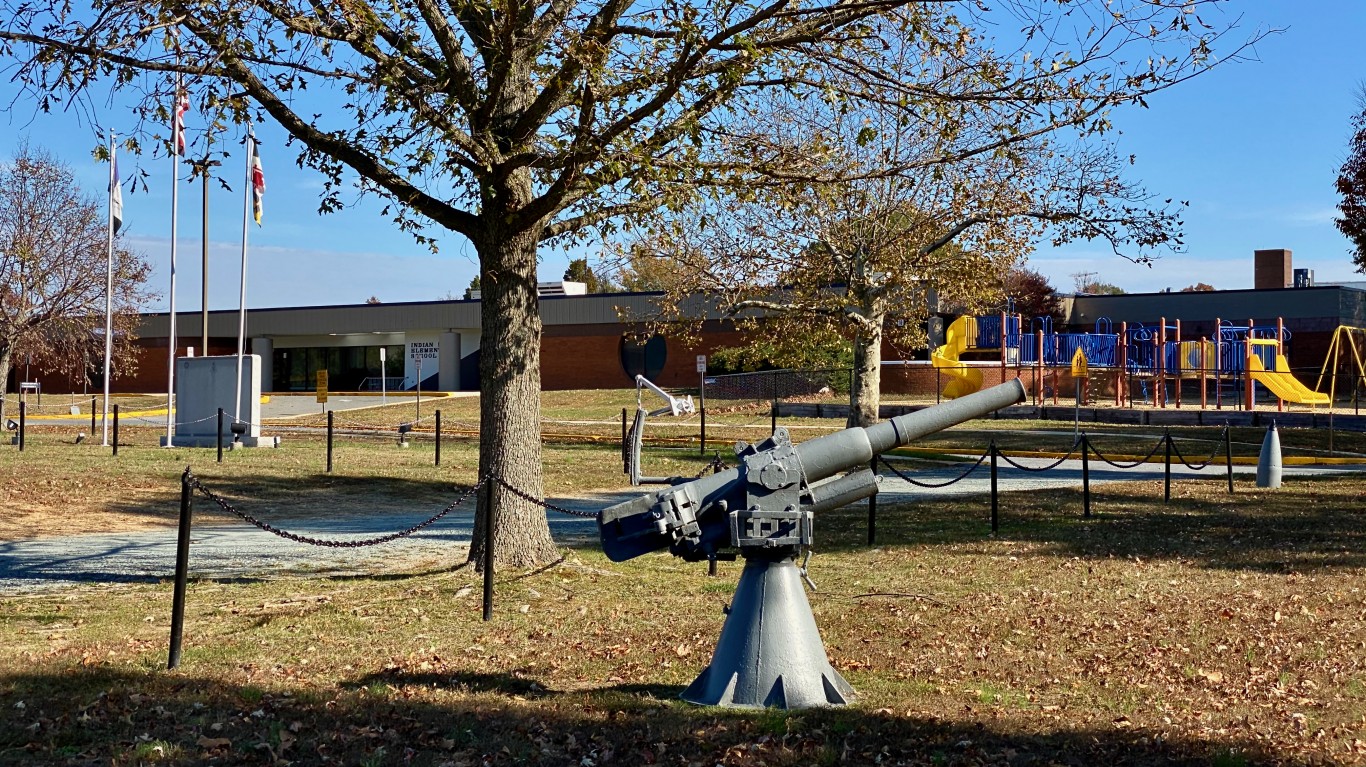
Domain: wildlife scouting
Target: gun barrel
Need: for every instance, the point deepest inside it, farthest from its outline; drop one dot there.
(844, 450)
(682, 515)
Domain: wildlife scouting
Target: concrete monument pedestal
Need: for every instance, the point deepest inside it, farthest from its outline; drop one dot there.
(203, 385)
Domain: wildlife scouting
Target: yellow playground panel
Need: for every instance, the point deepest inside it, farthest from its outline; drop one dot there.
(1347, 340)
(1194, 357)
(1281, 381)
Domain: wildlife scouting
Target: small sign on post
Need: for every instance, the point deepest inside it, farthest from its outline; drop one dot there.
(1079, 364)
(383, 382)
(702, 400)
(1079, 378)
(322, 386)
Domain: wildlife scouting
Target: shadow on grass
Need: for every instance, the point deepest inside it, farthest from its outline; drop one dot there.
(102, 715)
(1317, 524)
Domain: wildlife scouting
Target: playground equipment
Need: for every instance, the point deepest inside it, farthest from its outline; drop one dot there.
(1282, 383)
(1153, 363)
(960, 336)
(770, 652)
(1347, 340)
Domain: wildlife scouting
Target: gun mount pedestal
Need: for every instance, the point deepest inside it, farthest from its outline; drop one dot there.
(770, 652)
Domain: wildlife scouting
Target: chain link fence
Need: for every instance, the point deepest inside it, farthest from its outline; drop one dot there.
(768, 386)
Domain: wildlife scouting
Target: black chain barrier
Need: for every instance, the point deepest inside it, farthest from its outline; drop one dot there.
(1203, 464)
(335, 544)
(1139, 462)
(715, 467)
(936, 485)
(541, 501)
(1049, 467)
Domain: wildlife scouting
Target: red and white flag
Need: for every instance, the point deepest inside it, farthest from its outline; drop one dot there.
(182, 105)
(258, 180)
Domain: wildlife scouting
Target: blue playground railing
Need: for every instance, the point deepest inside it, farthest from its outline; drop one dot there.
(989, 331)
(1099, 349)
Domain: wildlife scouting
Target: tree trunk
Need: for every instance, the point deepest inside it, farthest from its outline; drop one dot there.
(866, 396)
(5, 356)
(510, 402)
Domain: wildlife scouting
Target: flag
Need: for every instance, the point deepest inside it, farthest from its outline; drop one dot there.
(116, 198)
(182, 105)
(258, 181)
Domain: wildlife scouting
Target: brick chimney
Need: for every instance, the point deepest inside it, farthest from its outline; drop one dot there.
(1271, 269)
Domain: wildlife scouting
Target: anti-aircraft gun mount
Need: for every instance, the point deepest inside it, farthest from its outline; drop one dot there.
(770, 652)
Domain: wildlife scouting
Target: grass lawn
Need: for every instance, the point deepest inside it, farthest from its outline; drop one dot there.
(1216, 629)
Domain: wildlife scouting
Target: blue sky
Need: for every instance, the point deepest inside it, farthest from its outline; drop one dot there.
(1253, 146)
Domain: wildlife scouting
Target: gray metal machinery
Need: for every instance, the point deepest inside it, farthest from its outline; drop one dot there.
(674, 406)
(770, 652)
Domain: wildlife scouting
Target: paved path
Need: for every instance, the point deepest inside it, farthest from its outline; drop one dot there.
(236, 549)
(233, 550)
(279, 406)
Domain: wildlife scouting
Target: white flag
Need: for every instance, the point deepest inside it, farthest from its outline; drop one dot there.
(116, 199)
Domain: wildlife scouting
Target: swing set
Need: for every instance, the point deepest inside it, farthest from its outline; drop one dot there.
(1348, 346)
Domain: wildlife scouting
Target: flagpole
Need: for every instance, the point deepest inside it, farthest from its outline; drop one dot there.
(175, 209)
(242, 290)
(109, 291)
(204, 271)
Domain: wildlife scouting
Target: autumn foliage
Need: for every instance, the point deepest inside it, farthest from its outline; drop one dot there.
(1351, 184)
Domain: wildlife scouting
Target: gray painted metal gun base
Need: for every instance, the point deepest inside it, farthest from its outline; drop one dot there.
(770, 652)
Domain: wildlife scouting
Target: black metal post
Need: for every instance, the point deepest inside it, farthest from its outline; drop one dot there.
(1167, 466)
(1228, 456)
(329, 441)
(1085, 476)
(872, 508)
(182, 568)
(92, 417)
(438, 437)
(625, 449)
(488, 548)
(220, 435)
(995, 501)
(773, 408)
(711, 566)
(116, 430)
(23, 423)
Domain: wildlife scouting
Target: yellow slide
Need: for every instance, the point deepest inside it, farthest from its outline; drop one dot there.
(1282, 383)
(962, 379)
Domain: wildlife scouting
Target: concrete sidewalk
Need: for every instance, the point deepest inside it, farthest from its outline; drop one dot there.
(291, 405)
(235, 549)
(276, 407)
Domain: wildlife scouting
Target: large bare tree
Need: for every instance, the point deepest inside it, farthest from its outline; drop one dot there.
(54, 247)
(521, 122)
